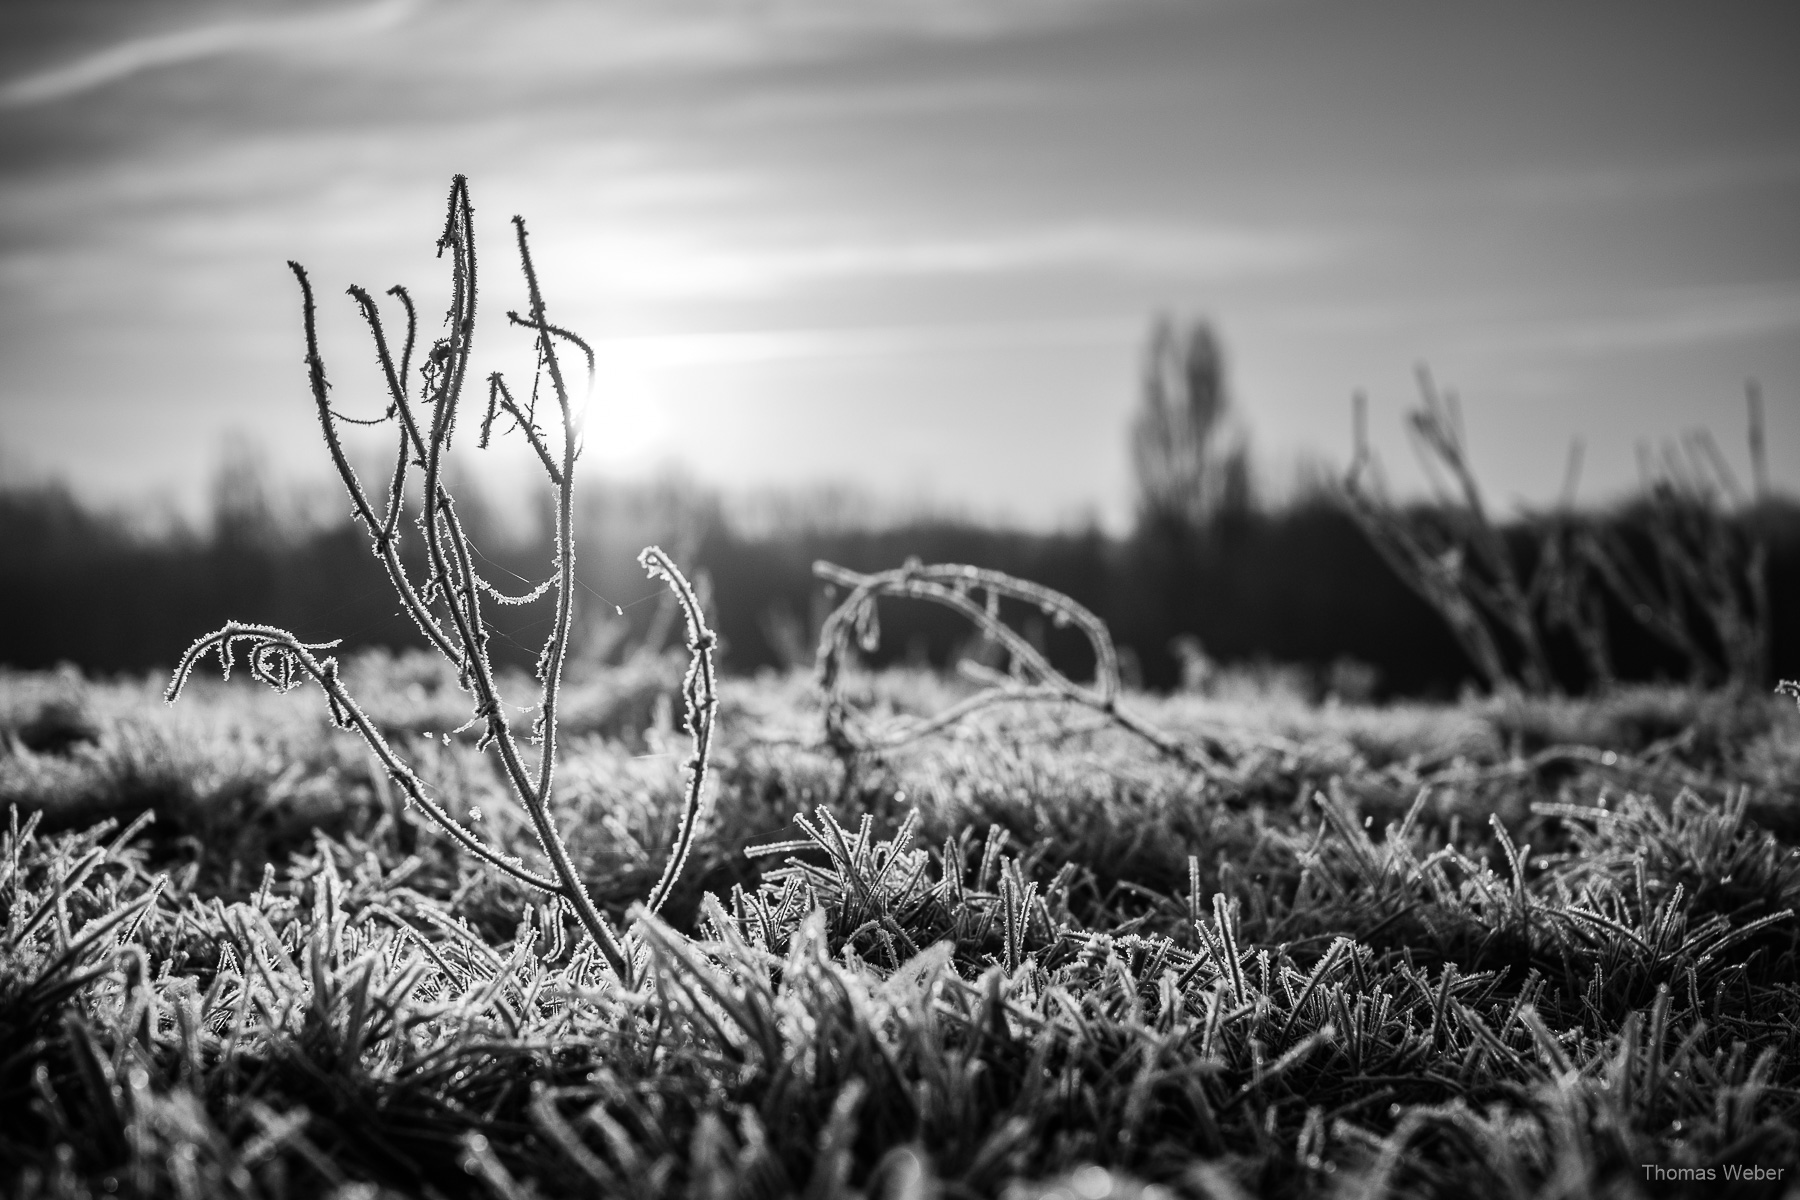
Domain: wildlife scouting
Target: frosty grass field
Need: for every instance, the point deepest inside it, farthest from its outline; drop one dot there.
(1516, 947)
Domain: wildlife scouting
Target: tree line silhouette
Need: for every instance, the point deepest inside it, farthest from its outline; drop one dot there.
(1296, 584)
(1353, 593)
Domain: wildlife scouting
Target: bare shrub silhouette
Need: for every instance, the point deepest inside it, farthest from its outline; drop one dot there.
(447, 605)
(1707, 597)
(1698, 584)
(1452, 555)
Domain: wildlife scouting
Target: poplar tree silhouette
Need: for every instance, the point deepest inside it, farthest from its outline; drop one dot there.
(1188, 468)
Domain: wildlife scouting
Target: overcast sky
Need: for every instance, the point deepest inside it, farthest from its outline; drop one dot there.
(911, 246)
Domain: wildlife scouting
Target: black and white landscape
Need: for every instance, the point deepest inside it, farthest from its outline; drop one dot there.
(911, 599)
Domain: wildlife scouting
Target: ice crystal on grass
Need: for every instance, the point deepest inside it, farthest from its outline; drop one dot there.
(1275, 1000)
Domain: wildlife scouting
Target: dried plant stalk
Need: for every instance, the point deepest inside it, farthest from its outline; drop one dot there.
(700, 696)
(854, 623)
(1704, 594)
(1458, 563)
(447, 604)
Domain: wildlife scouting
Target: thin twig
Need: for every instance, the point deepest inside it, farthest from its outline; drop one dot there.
(952, 585)
(700, 695)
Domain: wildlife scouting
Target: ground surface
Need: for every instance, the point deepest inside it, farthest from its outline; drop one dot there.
(1507, 949)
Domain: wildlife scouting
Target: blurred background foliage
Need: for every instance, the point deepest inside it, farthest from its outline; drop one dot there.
(1212, 577)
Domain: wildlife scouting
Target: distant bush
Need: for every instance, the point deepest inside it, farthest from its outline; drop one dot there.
(1687, 565)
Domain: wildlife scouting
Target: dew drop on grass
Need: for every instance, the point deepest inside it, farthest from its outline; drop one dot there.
(474, 814)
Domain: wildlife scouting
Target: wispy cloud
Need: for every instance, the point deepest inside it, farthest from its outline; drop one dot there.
(654, 263)
(564, 39)
(1678, 319)
(673, 351)
(1640, 183)
(154, 51)
(797, 102)
(655, 29)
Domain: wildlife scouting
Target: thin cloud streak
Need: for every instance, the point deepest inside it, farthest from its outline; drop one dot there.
(126, 59)
(1678, 320)
(650, 263)
(564, 41)
(1650, 183)
(746, 347)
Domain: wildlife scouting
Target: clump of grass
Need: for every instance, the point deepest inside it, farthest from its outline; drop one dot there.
(447, 606)
(68, 903)
(46, 716)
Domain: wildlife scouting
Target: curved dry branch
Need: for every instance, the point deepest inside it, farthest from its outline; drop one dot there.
(499, 597)
(952, 585)
(699, 691)
(283, 662)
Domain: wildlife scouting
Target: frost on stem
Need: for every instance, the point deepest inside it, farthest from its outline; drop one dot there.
(446, 602)
(701, 705)
(855, 625)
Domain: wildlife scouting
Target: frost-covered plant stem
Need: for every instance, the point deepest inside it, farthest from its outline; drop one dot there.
(446, 606)
(1033, 680)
